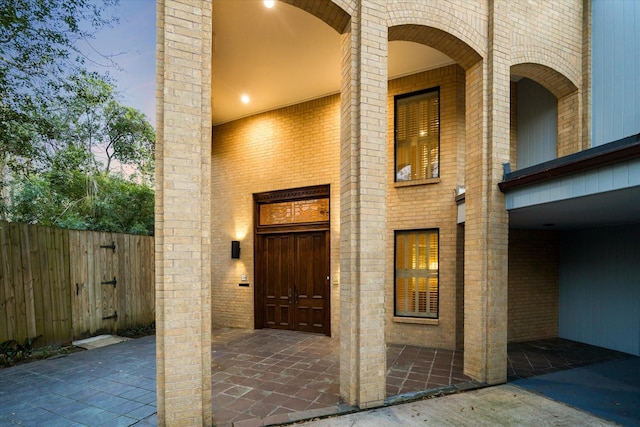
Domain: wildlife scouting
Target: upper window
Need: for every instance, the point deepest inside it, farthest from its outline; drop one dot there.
(416, 288)
(417, 135)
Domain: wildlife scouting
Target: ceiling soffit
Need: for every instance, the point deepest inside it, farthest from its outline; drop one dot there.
(288, 54)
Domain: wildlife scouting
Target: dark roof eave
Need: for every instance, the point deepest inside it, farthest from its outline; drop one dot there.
(614, 152)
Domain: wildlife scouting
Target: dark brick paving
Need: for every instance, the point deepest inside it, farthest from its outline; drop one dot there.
(265, 376)
(411, 369)
(531, 358)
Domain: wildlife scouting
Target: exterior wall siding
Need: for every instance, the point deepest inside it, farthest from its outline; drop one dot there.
(537, 124)
(605, 179)
(615, 64)
(600, 287)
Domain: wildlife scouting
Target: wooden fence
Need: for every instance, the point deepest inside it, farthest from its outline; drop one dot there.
(67, 284)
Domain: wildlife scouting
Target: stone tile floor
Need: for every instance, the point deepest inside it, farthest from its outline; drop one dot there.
(278, 376)
(411, 369)
(269, 374)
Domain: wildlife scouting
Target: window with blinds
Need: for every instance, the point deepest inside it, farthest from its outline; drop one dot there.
(417, 135)
(416, 273)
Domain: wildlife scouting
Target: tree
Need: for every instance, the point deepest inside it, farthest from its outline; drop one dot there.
(70, 187)
(91, 117)
(37, 58)
(129, 138)
(37, 46)
(62, 128)
(69, 197)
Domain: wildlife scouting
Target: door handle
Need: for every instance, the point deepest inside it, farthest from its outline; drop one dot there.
(295, 293)
(289, 295)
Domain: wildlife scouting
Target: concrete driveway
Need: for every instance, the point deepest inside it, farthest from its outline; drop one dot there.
(505, 405)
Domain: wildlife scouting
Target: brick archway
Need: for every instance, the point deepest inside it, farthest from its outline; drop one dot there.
(570, 139)
(336, 14)
(438, 39)
(555, 82)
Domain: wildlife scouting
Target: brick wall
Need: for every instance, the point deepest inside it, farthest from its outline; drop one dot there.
(260, 147)
(296, 146)
(460, 287)
(533, 285)
(304, 145)
(428, 205)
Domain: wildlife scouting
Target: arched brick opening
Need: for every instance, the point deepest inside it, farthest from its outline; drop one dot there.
(467, 57)
(485, 274)
(236, 217)
(438, 39)
(331, 13)
(569, 138)
(555, 82)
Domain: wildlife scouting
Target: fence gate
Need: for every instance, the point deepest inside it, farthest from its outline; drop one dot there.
(109, 286)
(95, 282)
(65, 285)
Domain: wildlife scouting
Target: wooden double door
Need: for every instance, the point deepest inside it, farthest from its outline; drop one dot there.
(293, 281)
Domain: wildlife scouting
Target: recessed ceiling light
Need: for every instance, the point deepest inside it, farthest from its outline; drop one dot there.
(269, 3)
(245, 99)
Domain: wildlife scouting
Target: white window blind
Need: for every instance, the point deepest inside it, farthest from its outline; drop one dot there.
(416, 287)
(418, 136)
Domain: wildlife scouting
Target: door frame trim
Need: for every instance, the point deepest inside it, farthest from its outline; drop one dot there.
(288, 195)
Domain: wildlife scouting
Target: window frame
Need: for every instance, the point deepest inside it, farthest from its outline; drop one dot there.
(436, 275)
(402, 97)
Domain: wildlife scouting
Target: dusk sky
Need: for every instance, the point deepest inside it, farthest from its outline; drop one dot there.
(132, 40)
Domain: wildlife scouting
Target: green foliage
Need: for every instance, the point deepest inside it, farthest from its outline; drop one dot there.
(62, 130)
(72, 198)
(37, 58)
(89, 118)
(12, 351)
(138, 331)
(129, 138)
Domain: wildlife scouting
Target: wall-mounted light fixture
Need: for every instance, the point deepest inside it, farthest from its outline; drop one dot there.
(235, 249)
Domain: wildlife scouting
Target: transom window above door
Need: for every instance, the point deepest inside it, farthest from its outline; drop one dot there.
(417, 135)
(294, 212)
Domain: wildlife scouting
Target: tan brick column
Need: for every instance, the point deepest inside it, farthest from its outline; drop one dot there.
(183, 219)
(486, 224)
(570, 124)
(362, 210)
